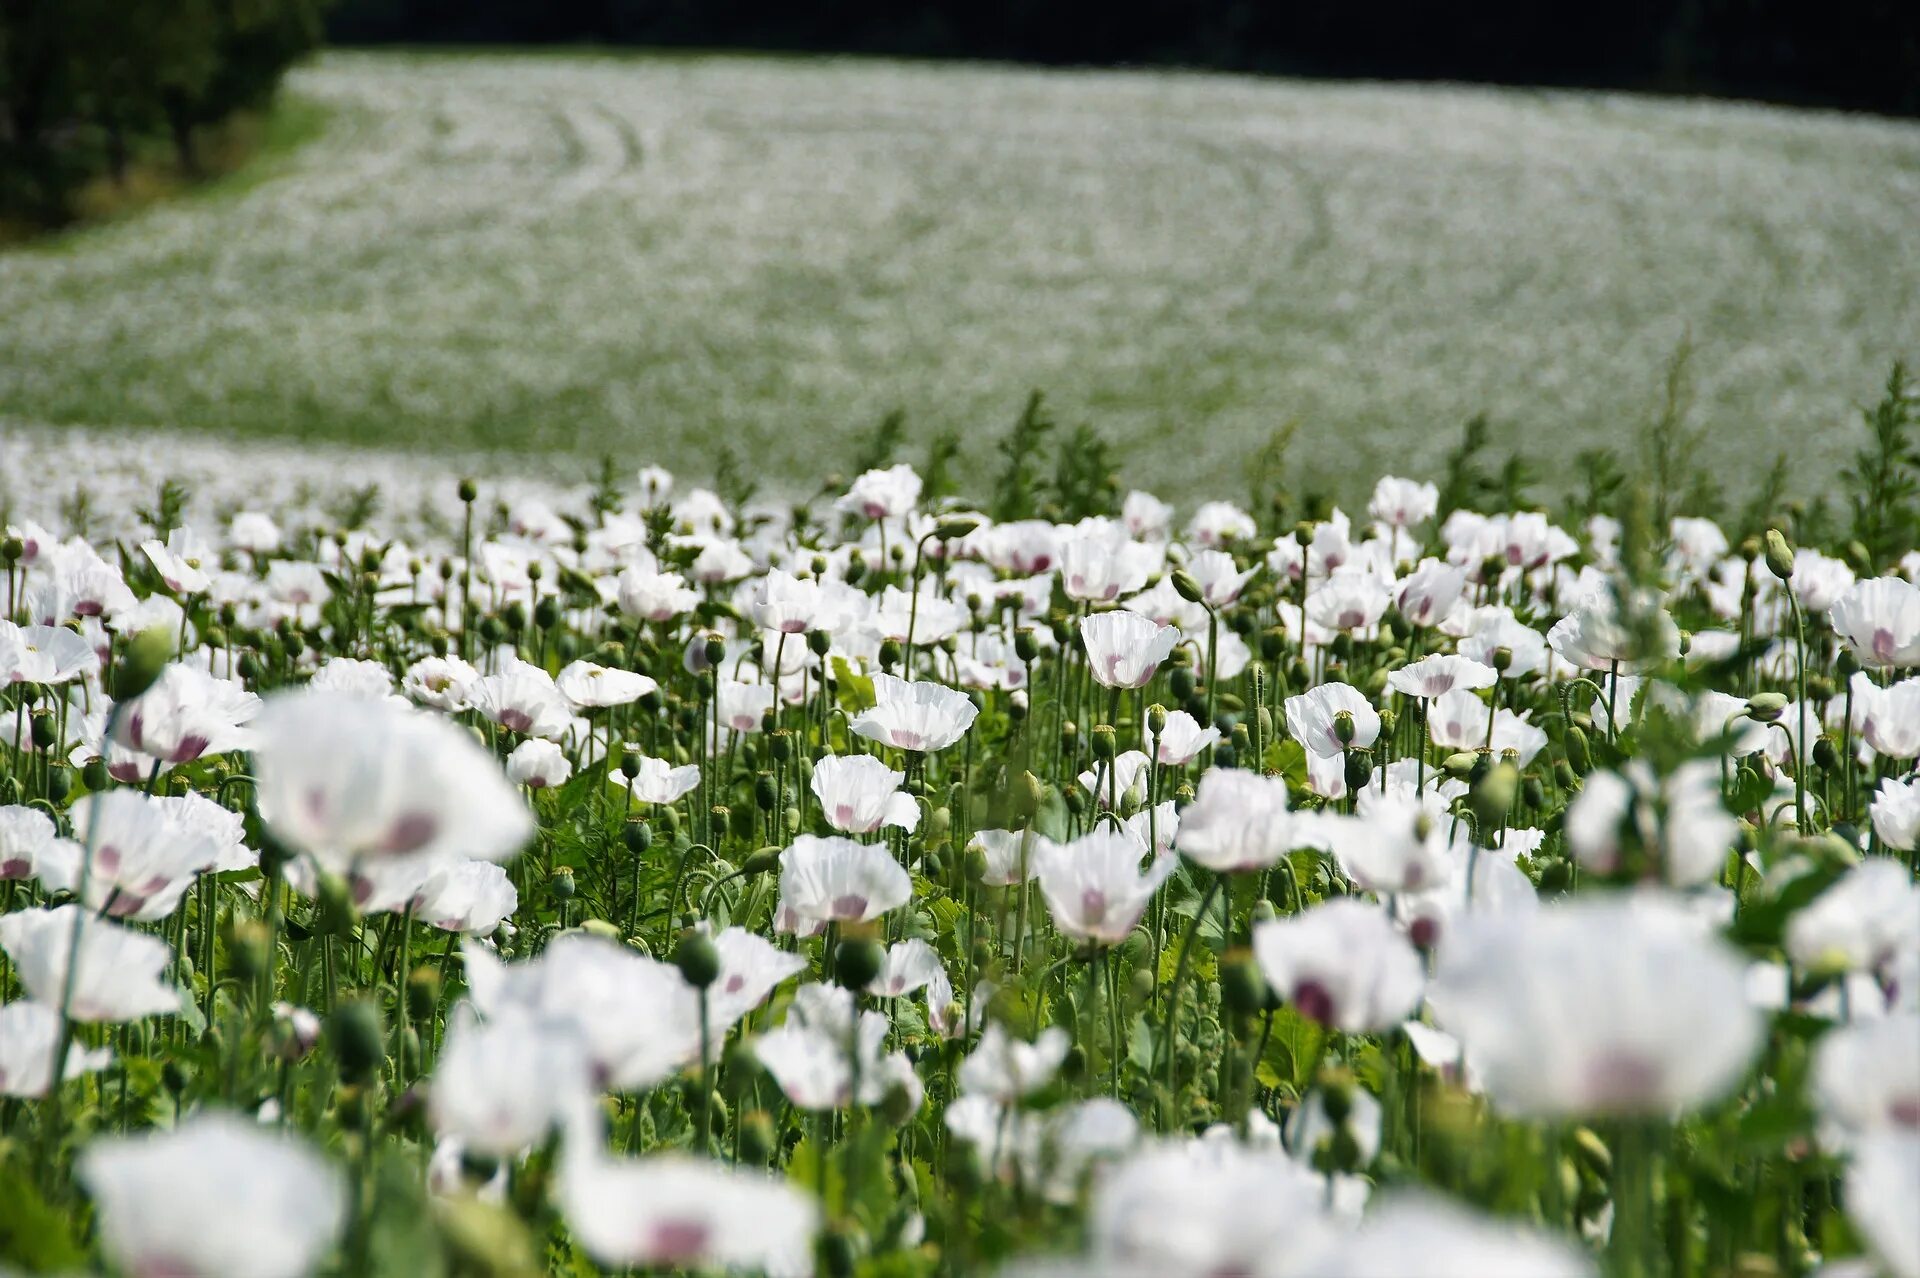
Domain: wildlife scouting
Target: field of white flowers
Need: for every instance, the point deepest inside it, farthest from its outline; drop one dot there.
(518, 879)
(530, 253)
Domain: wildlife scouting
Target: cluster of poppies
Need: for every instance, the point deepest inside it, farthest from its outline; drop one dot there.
(870, 886)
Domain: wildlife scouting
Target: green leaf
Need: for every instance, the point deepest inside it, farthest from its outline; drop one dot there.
(35, 1236)
(1143, 1040)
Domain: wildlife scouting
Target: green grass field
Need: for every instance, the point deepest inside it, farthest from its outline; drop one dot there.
(563, 255)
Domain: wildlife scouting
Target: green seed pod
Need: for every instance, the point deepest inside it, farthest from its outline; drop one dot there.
(1242, 987)
(638, 836)
(765, 795)
(423, 992)
(358, 1038)
(1343, 727)
(1359, 768)
(756, 1138)
(248, 949)
(698, 959)
(336, 915)
(856, 961)
(1180, 682)
(562, 885)
(1492, 797)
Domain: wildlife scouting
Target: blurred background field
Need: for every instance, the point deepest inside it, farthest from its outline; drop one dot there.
(554, 255)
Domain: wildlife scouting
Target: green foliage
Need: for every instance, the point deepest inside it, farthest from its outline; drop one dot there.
(1884, 479)
(881, 447)
(1669, 448)
(1015, 494)
(87, 84)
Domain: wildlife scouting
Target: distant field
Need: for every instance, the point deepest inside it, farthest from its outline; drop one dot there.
(563, 255)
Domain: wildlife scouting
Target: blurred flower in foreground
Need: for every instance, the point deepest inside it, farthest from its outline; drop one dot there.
(1617, 1005)
(216, 1197)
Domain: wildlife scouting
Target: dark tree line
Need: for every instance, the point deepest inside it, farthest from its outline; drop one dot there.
(1863, 54)
(86, 85)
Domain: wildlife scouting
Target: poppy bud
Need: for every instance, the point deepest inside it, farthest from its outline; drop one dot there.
(819, 642)
(890, 655)
(1779, 555)
(546, 613)
(762, 861)
(358, 1038)
(94, 774)
(1242, 987)
(59, 785)
(12, 549)
(247, 949)
(1141, 984)
(756, 1138)
(856, 961)
(147, 653)
(1826, 756)
(337, 915)
(765, 793)
(1532, 792)
(1765, 707)
(423, 992)
(1557, 876)
(1028, 793)
(44, 732)
(468, 490)
(897, 1105)
(955, 526)
(1579, 754)
(698, 959)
